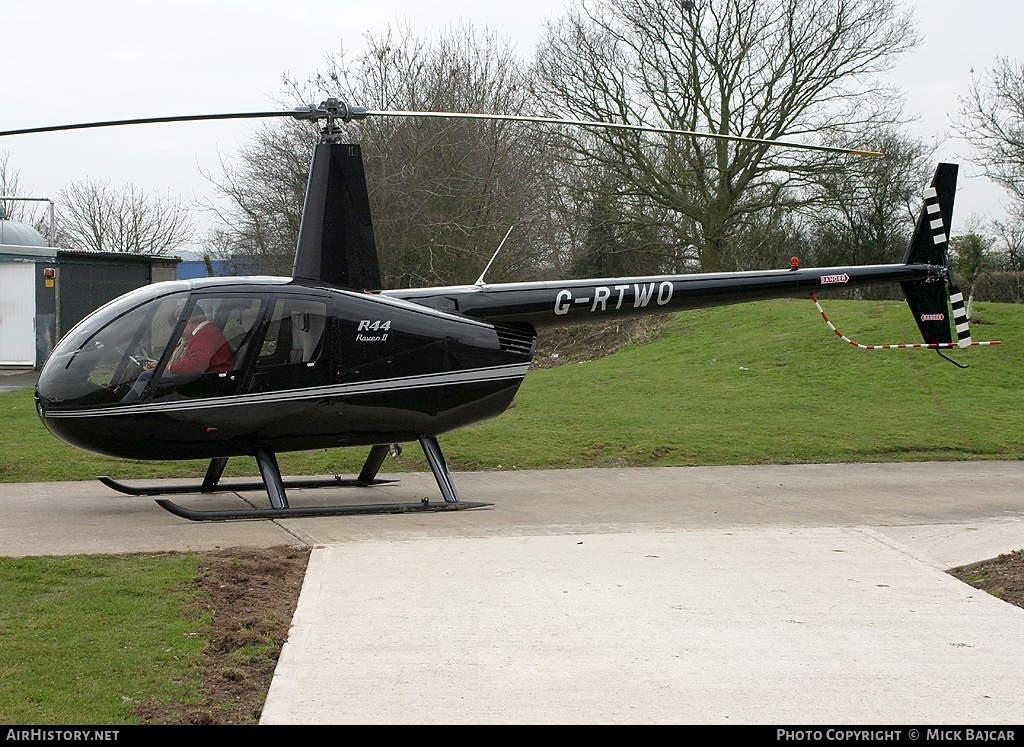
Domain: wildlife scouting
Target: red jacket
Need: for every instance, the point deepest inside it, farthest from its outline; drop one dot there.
(207, 350)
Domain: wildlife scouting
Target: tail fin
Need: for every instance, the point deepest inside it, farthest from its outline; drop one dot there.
(929, 245)
(930, 242)
(336, 242)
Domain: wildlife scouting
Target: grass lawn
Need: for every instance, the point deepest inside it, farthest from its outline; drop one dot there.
(83, 639)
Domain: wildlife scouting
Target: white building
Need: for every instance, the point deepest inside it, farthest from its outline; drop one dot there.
(44, 291)
(27, 298)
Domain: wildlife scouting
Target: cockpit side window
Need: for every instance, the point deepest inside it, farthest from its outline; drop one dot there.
(292, 349)
(206, 356)
(295, 333)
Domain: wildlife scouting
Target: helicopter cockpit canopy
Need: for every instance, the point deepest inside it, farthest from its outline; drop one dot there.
(96, 356)
(167, 342)
(207, 340)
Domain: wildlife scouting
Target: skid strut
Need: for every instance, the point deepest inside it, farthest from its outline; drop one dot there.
(439, 467)
(276, 488)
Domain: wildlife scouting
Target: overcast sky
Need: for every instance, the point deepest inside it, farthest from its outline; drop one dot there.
(73, 61)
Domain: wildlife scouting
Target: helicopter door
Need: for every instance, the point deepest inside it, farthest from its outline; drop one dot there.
(393, 352)
(206, 356)
(291, 353)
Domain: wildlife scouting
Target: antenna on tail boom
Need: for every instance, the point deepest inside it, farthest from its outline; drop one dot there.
(480, 280)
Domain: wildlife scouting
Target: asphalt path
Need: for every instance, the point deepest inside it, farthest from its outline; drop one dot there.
(12, 379)
(758, 594)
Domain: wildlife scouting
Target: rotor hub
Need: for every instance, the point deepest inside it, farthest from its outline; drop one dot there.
(331, 111)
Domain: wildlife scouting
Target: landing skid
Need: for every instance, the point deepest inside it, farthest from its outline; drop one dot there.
(236, 487)
(307, 511)
(276, 488)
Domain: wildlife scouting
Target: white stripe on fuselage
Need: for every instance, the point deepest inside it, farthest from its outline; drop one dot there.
(422, 381)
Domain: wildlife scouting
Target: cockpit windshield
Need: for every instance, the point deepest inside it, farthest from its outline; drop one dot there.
(90, 365)
(152, 349)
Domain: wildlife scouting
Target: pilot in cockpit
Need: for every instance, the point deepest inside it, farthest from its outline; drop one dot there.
(201, 349)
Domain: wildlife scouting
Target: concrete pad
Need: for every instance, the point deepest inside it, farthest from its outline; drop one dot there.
(47, 518)
(780, 594)
(911, 495)
(945, 546)
(743, 626)
(762, 594)
(15, 378)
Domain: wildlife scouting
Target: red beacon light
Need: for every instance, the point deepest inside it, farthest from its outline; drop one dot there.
(794, 263)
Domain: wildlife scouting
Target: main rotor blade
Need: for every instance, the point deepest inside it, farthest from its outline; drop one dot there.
(622, 126)
(146, 120)
(359, 113)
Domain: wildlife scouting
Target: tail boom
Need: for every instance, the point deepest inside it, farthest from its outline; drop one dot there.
(552, 303)
(923, 275)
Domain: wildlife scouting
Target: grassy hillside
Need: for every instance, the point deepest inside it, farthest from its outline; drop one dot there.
(754, 383)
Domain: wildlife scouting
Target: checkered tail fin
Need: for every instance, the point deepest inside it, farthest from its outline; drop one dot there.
(928, 299)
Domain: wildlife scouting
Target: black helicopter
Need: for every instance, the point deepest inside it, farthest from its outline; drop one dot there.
(325, 359)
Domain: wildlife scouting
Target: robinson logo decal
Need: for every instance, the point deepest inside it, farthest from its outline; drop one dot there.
(828, 279)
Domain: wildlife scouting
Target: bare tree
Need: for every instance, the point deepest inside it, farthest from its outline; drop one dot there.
(773, 69)
(35, 211)
(94, 216)
(19, 210)
(865, 214)
(446, 191)
(1009, 244)
(972, 256)
(264, 186)
(10, 186)
(1002, 275)
(443, 192)
(992, 120)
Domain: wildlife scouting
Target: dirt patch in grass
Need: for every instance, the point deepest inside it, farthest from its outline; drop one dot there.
(588, 342)
(1002, 577)
(250, 596)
